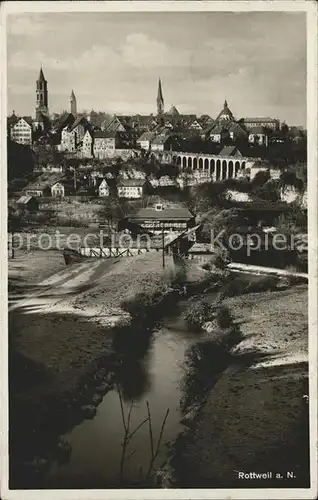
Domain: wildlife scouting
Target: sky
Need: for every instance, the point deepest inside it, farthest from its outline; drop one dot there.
(256, 60)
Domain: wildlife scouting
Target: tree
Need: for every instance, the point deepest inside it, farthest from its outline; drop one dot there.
(260, 178)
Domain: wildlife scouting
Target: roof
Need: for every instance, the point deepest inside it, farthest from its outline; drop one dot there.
(230, 151)
(43, 182)
(99, 134)
(225, 111)
(67, 119)
(160, 95)
(166, 213)
(73, 95)
(172, 111)
(260, 119)
(200, 248)
(78, 122)
(216, 129)
(236, 127)
(131, 182)
(161, 139)
(12, 120)
(101, 180)
(64, 182)
(41, 76)
(27, 119)
(147, 136)
(24, 200)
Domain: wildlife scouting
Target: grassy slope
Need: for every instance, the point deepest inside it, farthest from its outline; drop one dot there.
(58, 329)
(255, 417)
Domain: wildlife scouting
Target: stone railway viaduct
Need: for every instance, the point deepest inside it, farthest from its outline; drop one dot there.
(216, 167)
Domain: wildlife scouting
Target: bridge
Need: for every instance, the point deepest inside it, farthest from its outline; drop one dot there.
(215, 166)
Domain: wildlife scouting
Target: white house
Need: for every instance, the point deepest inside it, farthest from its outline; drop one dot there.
(21, 132)
(131, 188)
(103, 189)
(145, 140)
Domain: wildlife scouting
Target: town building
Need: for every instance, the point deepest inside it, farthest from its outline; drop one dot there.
(72, 135)
(163, 218)
(22, 131)
(225, 114)
(267, 122)
(145, 140)
(132, 188)
(116, 124)
(104, 144)
(87, 145)
(165, 141)
(38, 189)
(258, 136)
(28, 203)
(62, 188)
(103, 188)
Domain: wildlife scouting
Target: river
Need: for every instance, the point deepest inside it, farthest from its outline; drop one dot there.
(155, 375)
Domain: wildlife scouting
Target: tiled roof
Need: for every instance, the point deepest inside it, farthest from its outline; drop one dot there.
(216, 129)
(24, 200)
(80, 120)
(172, 111)
(230, 151)
(161, 139)
(65, 120)
(236, 127)
(147, 136)
(225, 111)
(166, 213)
(99, 134)
(27, 119)
(260, 119)
(12, 120)
(131, 182)
(43, 182)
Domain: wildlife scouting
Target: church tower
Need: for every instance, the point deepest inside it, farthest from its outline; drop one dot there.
(73, 104)
(160, 101)
(41, 97)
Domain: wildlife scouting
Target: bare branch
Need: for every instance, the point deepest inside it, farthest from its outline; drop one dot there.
(150, 432)
(137, 428)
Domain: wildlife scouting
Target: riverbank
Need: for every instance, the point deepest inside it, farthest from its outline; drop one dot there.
(63, 332)
(68, 346)
(255, 418)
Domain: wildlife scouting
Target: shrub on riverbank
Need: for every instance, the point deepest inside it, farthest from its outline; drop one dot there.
(243, 284)
(144, 304)
(198, 314)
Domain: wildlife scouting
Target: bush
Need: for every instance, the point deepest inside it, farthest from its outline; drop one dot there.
(247, 284)
(144, 305)
(198, 314)
(224, 318)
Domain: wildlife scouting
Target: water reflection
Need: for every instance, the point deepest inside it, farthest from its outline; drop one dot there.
(131, 370)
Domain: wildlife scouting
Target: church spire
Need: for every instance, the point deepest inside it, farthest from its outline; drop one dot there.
(41, 76)
(73, 103)
(41, 107)
(160, 101)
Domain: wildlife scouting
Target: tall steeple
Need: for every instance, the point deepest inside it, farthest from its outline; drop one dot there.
(160, 101)
(226, 114)
(73, 104)
(41, 107)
